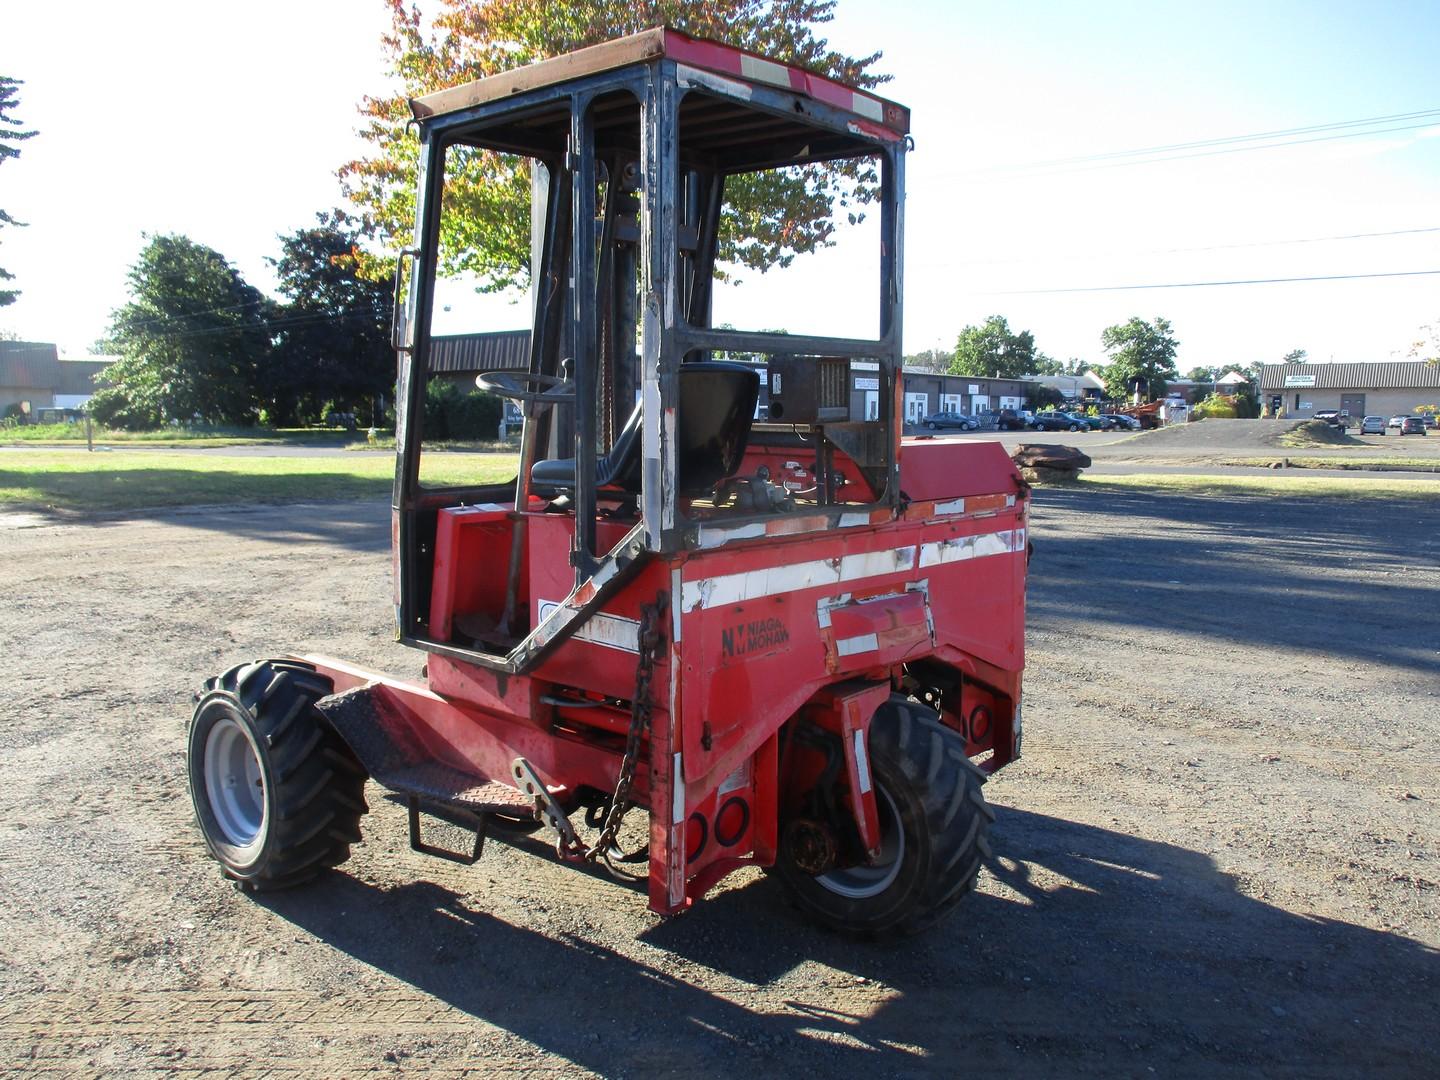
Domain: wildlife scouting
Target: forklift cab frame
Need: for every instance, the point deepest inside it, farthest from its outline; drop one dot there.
(632, 143)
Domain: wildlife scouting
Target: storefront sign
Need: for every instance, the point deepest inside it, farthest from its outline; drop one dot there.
(1299, 380)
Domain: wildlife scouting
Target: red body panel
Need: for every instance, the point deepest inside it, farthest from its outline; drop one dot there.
(782, 624)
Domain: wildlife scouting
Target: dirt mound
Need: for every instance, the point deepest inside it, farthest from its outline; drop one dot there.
(1046, 463)
(1202, 436)
(1314, 433)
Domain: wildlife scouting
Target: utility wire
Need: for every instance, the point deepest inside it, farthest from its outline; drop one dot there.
(1206, 284)
(282, 324)
(1181, 250)
(1121, 159)
(1203, 143)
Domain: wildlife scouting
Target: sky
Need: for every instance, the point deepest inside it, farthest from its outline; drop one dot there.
(227, 122)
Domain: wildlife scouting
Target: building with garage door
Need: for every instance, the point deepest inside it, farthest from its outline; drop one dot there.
(1382, 389)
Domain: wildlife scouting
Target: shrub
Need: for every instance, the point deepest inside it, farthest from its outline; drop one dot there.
(453, 413)
(1217, 406)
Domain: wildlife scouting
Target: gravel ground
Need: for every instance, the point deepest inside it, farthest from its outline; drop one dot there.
(1219, 856)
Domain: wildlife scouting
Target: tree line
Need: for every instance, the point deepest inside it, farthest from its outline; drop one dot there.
(1141, 358)
(196, 342)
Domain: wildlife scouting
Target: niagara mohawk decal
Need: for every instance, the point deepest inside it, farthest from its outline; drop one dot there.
(759, 635)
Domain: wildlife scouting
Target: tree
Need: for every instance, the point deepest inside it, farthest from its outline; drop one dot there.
(1201, 374)
(1294, 356)
(191, 340)
(930, 360)
(1043, 397)
(1140, 353)
(992, 350)
(1427, 346)
(331, 338)
(768, 218)
(9, 98)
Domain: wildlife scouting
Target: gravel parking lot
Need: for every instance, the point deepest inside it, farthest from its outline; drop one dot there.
(1219, 856)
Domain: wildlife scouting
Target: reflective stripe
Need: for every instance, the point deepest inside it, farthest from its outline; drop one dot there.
(861, 643)
(773, 580)
(972, 547)
(862, 763)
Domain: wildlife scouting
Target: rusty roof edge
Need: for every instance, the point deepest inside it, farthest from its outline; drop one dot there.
(631, 49)
(634, 48)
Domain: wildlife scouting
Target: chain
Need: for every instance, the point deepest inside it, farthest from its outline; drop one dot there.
(650, 641)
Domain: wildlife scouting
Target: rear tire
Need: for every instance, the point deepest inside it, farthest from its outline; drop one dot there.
(277, 794)
(934, 832)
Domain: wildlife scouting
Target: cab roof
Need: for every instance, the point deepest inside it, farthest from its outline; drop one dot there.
(876, 115)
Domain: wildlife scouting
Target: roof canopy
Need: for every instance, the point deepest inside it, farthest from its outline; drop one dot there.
(874, 114)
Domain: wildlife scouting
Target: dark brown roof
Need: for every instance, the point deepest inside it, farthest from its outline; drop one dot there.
(30, 365)
(1390, 375)
(78, 376)
(456, 354)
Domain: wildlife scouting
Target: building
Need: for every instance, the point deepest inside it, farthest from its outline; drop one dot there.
(1085, 387)
(33, 376)
(460, 357)
(927, 392)
(1382, 389)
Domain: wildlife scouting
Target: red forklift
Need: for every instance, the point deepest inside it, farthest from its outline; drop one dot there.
(720, 590)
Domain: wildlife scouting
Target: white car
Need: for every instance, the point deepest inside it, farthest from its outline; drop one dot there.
(1396, 421)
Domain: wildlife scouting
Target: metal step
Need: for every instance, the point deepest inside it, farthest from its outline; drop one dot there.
(436, 783)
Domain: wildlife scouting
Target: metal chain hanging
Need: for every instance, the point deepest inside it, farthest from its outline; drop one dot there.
(650, 642)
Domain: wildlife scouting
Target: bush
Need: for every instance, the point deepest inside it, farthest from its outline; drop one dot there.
(453, 413)
(1217, 406)
(111, 408)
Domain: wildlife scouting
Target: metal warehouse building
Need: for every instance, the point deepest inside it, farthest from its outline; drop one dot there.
(1383, 389)
(34, 376)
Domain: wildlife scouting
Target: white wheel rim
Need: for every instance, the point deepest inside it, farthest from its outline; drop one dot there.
(863, 882)
(234, 783)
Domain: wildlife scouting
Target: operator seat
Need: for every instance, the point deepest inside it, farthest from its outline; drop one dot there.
(717, 404)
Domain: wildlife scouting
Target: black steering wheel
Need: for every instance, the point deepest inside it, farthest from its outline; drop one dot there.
(528, 388)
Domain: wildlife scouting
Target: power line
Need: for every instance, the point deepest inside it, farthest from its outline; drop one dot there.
(1158, 155)
(1202, 143)
(1207, 284)
(1093, 255)
(281, 324)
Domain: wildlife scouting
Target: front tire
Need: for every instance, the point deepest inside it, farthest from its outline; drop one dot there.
(934, 824)
(277, 794)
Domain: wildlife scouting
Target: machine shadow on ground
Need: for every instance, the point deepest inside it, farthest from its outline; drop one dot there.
(361, 525)
(1278, 566)
(1095, 943)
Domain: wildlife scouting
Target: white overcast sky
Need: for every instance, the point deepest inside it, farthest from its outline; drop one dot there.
(227, 122)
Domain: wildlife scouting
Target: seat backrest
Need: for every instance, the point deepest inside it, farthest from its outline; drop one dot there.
(716, 408)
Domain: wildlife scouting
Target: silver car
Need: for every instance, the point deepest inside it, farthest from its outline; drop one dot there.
(1372, 425)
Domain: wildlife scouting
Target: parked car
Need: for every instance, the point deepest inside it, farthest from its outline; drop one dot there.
(1004, 419)
(1123, 422)
(1088, 422)
(1395, 421)
(1056, 421)
(1372, 425)
(950, 420)
(1412, 425)
(1431, 420)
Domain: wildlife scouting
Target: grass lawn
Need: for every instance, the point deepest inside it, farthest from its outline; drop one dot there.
(1375, 464)
(67, 480)
(1342, 487)
(30, 434)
